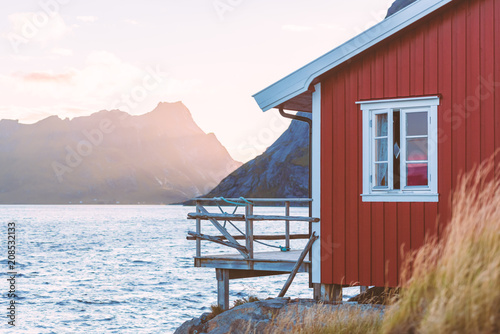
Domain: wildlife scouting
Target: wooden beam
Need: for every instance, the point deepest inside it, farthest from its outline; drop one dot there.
(237, 217)
(289, 218)
(198, 236)
(237, 274)
(224, 232)
(260, 237)
(297, 265)
(218, 216)
(299, 200)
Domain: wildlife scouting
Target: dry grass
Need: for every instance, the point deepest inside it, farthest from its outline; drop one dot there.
(455, 283)
(327, 319)
(242, 301)
(452, 284)
(216, 310)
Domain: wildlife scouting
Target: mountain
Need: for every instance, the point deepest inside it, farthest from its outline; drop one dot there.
(281, 171)
(110, 157)
(398, 5)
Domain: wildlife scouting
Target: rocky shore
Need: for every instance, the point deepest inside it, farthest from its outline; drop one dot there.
(254, 317)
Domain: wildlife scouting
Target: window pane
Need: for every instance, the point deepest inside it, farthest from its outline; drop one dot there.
(416, 124)
(381, 149)
(416, 175)
(380, 125)
(381, 175)
(416, 149)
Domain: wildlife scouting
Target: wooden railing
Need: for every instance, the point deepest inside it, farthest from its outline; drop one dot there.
(226, 239)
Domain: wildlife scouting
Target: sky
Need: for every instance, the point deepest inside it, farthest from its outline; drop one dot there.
(73, 58)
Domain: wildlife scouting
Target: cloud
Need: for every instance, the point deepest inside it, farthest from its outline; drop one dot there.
(132, 22)
(296, 28)
(104, 74)
(104, 82)
(87, 19)
(37, 27)
(45, 77)
(62, 52)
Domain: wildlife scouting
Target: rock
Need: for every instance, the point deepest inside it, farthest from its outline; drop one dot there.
(193, 326)
(246, 318)
(255, 317)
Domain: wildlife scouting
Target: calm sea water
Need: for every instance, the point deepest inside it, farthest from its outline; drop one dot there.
(117, 269)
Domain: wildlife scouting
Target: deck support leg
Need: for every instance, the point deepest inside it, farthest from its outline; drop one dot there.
(331, 293)
(198, 230)
(222, 288)
(249, 233)
(316, 291)
(287, 225)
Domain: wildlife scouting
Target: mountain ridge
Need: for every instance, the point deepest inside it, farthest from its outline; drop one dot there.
(110, 157)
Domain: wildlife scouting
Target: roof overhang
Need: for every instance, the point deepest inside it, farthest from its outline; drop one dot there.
(293, 91)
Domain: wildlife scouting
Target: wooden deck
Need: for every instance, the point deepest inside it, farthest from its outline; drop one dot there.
(249, 263)
(262, 261)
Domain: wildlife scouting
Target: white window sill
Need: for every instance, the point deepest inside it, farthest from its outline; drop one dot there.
(400, 197)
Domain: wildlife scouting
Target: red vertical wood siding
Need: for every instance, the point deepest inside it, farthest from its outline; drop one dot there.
(496, 76)
(452, 54)
(339, 183)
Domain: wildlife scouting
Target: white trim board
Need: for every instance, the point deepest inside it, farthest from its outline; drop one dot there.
(316, 182)
(299, 81)
(400, 103)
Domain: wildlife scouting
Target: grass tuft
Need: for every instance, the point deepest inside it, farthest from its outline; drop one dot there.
(452, 284)
(216, 310)
(242, 301)
(327, 319)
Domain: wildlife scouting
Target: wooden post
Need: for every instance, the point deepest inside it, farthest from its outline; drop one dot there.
(316, 291)
(287, 225)
(249, 230)
(222, 288)
(297, 265)
(198, 230)
(362, 288)
(331, 293)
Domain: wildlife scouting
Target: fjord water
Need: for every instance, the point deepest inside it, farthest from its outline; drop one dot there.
(119, 269)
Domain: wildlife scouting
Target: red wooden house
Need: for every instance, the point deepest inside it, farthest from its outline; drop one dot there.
(398, 113)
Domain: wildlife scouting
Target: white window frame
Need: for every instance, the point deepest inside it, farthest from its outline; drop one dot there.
(406, 193)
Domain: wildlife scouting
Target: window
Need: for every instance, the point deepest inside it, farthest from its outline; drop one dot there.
(400, 150)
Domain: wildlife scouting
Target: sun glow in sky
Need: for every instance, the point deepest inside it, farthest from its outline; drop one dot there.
(72, 58)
